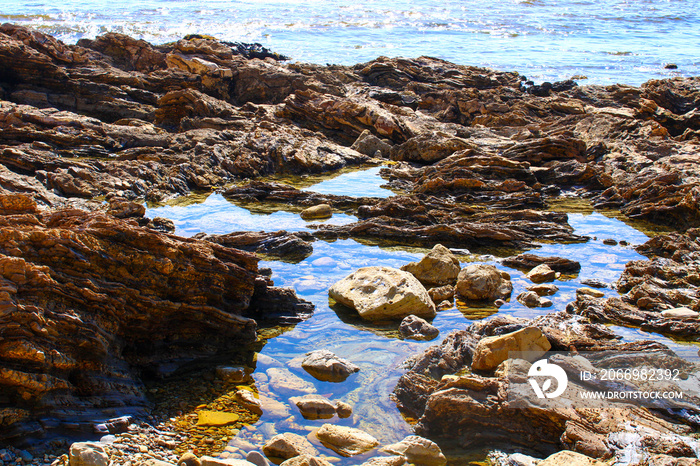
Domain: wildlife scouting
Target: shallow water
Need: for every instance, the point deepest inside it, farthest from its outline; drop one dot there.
(608, 41)
(378, 349)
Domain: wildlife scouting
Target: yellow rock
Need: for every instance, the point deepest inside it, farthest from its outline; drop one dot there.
(216, 418)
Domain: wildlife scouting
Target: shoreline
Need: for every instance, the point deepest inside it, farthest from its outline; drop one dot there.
(479, 155)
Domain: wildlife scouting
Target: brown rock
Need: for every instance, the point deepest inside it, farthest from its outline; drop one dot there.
(287, 446)
(491, 351)
(481, 282)
(438, 267)
(346, 441)
(317, 212)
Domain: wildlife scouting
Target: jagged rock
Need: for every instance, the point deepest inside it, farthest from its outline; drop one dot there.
(442, 293)
(530, 261)
(131, 298)
(383, 293)
(293, 247)
(541, 273)
(369, 144)
(482, 282)
(417, 450)
(88, 454)
(326, 366)
(288, 445)
(415, 328)
(346, 441)
(317, 212)
(491, 351)
(438, 267)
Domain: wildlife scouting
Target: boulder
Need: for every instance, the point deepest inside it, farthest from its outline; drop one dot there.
(438, 267)
(491, 351)
(326, 366)
(314, 407)
(288, 445)
(418, 450)
(88, 454)
(346, 441)
(483, 282)
(541, 273)
(320, 211)
(415, 328)
(383, 293)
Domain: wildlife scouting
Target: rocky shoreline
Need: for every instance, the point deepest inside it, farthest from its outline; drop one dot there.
(96, 299)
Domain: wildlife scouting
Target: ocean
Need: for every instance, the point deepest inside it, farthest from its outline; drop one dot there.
(597, 42)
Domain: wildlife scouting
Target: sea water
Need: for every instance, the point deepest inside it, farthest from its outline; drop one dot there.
(596, 41)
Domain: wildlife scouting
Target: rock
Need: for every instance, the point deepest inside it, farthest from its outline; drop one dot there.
(610, 242)
(518, 459)
(491, 351)
(216, 418)
(189, 459)
(257, 459)
(442, 293)
(317, 212)
(544, 289)
(273, 407)
(288, 445)
(232, 374)
(541, 273)
(590, 292)
(570, 458)
(326, 366)
(383, 293)
(88, 454)
(415, 328)
(210, 461)
(594, 283)
(438, 267)
(679, 313)
(483, 282)
(417, 450)
(343, 409)
(530, 261)
(248, 401)
(529, 299)
(306, 460)
(346, 441)
(314, 407)
(283, 381)
(369, 144)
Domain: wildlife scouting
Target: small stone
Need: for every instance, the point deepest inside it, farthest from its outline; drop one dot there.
(232, 374)
(679, 313)
(541, 273)
(529, 299)
(326, 366)
(247, 400)
(585, 291)
(343, 409)
(499, 303)
(320, 211)
(26, 456)
(257, 458)
(670, 66)
(314, 407)
(415, 328)
(544, 289)
(346, 441)
(594, 283)
(610, 242)
(143, 449)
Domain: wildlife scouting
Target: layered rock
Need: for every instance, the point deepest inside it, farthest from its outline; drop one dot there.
(133, 300)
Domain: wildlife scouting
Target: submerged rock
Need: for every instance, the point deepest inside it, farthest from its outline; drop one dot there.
(417, 450)
(326, 366)
(306, 460)
(482, 282)
(288, 445)
(383, 293)
(346, 441)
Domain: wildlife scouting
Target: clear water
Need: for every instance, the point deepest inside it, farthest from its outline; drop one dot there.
(378, 349)
(359, 183)
(609, 41)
